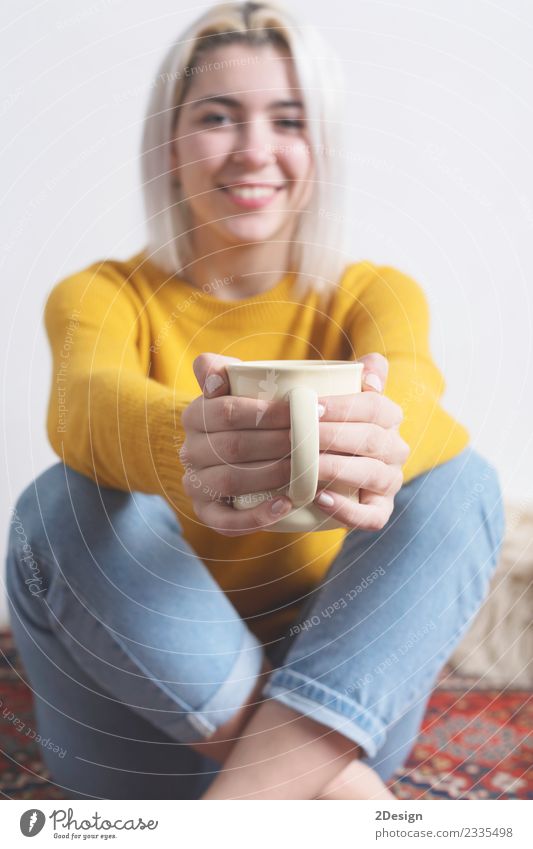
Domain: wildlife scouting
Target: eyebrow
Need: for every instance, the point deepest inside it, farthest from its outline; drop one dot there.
(231, 101)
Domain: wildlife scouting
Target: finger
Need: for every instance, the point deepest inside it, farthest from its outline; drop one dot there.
(375, 372)
(210, 372)
(359, 473)
(366, 517)
(225, 481)
(228, 521)
(235, 446)
(234, 413)
(361, 407)
(363, 440)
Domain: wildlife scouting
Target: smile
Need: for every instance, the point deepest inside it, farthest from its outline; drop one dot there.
(251, 196)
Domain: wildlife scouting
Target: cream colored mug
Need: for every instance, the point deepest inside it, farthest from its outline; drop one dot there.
(301, 383)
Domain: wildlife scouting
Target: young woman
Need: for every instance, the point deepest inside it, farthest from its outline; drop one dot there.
(174, 648)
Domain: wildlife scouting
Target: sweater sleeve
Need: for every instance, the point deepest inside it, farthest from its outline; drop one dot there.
(107, 418)
(392, 317)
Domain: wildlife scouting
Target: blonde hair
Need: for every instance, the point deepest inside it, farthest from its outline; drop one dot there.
(317, 249)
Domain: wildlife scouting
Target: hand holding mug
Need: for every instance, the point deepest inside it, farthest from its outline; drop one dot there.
(225, 457)
(364, 450)
(233, 446)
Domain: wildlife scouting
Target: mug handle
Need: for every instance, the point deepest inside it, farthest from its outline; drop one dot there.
(303, 404)
(305, 457)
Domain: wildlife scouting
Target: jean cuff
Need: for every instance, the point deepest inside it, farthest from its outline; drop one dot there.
(232, 693)
(328, 707)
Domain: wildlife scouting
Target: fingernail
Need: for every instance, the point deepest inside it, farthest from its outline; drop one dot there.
(325, 499)
(321, 410)
(279, 506)
(373, 381)
(213, 382)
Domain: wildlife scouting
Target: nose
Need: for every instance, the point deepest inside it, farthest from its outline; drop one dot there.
(253, 144)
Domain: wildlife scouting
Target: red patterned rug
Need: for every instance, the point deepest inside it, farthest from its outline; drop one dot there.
(474, 744)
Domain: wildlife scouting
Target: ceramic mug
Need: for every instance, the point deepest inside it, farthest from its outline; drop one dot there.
(301, 383)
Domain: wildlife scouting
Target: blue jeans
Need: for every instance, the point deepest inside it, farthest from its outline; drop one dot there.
(133, 651)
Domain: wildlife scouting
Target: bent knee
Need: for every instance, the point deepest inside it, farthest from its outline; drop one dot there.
(34, 504)
(480, 500)
(55, 505)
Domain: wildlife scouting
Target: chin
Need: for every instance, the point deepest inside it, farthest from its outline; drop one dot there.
(259, 233)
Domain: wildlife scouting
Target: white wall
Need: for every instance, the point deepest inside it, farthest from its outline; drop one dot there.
(440, 157)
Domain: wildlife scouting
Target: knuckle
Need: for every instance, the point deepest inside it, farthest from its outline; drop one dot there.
(225, 481)
(396, 481)
(187, 484)
(350, 515)
(398, 413)
(237, 532)
(375, 521)
(233, 447)
(398, 450)
(382, 477)
(335, 467)
(228, 410)
(185, 452)
(260, 517)
(375, 475)
(388, 452)
(374, 443)
(330, 467)
(202, 360)
(257, 519)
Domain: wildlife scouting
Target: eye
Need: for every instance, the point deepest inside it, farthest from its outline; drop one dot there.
(213, 118)
(291, 123)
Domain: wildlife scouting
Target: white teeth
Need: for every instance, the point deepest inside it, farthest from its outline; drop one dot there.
(257, 192)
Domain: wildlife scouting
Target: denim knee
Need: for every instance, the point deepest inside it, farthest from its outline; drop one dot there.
(110, 574)
(395, 602)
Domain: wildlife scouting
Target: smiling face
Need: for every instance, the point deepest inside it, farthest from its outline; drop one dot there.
(243, 121)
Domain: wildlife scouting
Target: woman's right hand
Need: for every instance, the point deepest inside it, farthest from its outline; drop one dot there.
(233, 446)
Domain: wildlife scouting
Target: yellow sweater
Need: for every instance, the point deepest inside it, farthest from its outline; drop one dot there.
(123, 340)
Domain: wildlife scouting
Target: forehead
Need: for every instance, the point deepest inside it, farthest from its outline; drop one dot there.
(255, 75)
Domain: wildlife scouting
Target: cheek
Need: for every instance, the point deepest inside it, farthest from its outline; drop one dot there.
(205, 155)
(297, 161)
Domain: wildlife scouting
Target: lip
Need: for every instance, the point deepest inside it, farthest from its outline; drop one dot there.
(250, 203)
(251, 185)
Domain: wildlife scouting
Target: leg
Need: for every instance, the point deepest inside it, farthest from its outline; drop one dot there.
(379, 628)
(133, 652)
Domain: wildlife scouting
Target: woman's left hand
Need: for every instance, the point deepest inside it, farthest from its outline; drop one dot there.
(360, 447)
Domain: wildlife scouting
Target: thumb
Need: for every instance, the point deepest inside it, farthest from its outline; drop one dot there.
(210, 372)
(375, 371)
